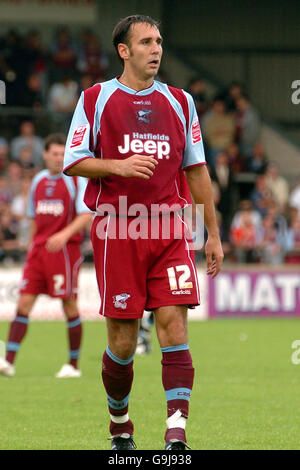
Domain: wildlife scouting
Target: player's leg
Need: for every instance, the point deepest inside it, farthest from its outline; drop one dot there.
(17, 331)
(121, 276)
(62, 280)
(74, 328)
(177, 370)
(117, 376)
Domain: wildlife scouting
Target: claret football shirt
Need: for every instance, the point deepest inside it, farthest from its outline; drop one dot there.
(113, 121)
(54, 201)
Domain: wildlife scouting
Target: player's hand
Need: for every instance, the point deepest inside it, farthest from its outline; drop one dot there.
(214, 256)
(56, 242)
(137, 166)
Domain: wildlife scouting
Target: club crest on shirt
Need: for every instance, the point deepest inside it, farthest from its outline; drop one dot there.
(49, 191)
(142, 115)
(120, 300)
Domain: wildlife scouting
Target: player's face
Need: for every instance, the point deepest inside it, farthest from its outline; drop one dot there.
(145, 50)
(54, 158)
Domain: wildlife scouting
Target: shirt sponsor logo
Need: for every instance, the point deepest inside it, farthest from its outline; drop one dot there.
(196, 132)
(120, 300)
(78, 136)
(142, 102)
(154, 144)
(181, 292)
(55, 207)
(142, 115)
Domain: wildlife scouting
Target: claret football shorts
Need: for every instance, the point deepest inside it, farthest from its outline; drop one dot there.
(54, 274)
(139, 269)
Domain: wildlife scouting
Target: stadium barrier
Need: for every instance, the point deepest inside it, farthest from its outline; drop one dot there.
(246, 291)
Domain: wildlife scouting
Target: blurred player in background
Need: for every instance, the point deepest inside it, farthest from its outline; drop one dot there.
(133, 137)
(59, 216)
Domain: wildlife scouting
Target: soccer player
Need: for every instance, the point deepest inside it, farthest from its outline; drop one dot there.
(58, 216)
(134, 138)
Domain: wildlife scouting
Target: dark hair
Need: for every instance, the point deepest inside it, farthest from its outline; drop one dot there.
(58, 138)
(121, 31)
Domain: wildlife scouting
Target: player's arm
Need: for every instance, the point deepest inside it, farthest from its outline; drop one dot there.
(80, 157)
(200, 186)
(138, 166)
(82, 220)
(32, 229)
(57, 241)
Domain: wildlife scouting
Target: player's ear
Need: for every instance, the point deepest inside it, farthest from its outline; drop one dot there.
(123, 50)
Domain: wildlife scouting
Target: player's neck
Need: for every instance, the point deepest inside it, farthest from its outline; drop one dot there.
(135, 83)
(53, 173)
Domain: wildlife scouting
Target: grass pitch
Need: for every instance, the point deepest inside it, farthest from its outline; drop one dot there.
(246, 393)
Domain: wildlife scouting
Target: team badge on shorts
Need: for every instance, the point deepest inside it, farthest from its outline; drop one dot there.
(120, 300)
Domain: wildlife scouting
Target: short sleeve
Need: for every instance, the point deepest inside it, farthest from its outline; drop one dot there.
(30, 205)
(194, 151)
(78, 141)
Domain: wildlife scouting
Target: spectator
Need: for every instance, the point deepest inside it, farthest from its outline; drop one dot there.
(91, 59)
(27, 138)
(19, 212)
(294, 200)
(280, 221)
(248, 125)
(235, 160)
(8, 236)
(246, 206)
(218, 129)
(231, 95)
(63, 55)
(32, 96)
(14, 174)
(293, 241)
(245, 237)
(26, 157)
(261, 196)
(222, 175)
(197, 88)
(271, 246)
(278, 185)
(63, 96)
(3, 155)
(257, 162)
(6, 194)
(36, 54)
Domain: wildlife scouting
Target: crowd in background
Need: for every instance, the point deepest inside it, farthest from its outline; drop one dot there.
(37, 76)
(259, 221)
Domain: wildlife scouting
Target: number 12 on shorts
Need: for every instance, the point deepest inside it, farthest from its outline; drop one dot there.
(177, 280)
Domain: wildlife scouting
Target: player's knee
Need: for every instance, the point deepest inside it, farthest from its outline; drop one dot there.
(70, 308)
(175, 332)
(124, 348)
(25, 305)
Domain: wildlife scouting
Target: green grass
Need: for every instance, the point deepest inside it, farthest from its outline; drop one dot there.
(246, 393)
